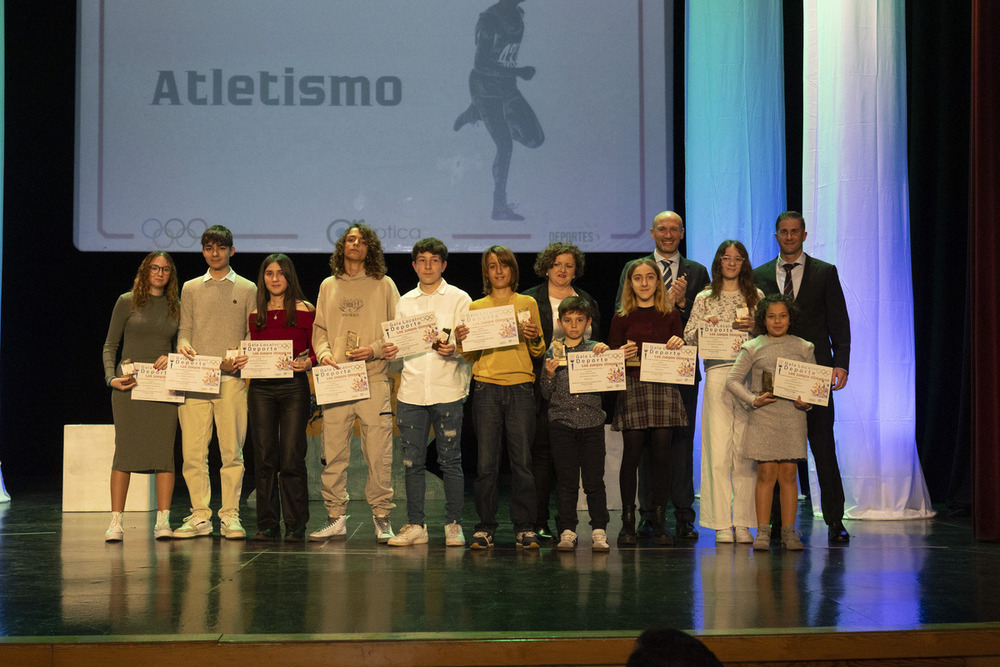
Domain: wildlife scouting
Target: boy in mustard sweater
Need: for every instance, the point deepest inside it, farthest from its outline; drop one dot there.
(504, 400)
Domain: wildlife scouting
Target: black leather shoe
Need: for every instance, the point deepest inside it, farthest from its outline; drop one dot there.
(837, 533)
(268, 535)
(685, 531)
(543, 532)
(645, 528)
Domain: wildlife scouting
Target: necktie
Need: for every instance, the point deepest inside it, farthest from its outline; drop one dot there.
(788, 288)
(668, 278)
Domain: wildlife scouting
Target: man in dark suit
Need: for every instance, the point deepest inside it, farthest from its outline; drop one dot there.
(823, 321)
(683, 279)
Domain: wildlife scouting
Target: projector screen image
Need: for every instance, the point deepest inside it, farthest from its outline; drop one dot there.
(509, 122)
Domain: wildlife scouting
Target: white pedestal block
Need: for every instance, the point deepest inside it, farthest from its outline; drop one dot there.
(88, 450)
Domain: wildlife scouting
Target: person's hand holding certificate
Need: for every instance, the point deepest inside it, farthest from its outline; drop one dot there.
(267, 359)
(151, 385)
(200, 374)
(346, 382)
(670, 366)
(592, 372)
(490, 328)
(720, 341)
(798, 379)
(411, 335)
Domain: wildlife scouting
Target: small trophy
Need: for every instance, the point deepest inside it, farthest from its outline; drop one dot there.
(559, 352)
(352, 341)
(228, 364)
(636, 360)
(742, 311)
(128, 369)
(766, 383)
(442, 338)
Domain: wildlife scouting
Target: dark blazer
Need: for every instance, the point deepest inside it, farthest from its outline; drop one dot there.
(540, 293)
(697, 278)
(823, 318)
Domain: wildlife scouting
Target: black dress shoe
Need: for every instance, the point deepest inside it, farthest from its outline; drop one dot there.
(685, 531)
(268, 535)
(543, 532)
(837, 533)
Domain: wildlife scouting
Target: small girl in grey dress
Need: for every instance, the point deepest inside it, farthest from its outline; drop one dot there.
(775, 435)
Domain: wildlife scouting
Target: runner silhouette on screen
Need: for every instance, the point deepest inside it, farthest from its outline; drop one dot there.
(495, 98)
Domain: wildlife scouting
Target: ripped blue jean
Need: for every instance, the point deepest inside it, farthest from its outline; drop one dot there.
(414, 422)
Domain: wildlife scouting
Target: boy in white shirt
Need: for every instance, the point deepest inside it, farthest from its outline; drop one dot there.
(432, 393)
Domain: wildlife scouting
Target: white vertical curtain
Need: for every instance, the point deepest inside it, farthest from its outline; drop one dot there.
(855, 205)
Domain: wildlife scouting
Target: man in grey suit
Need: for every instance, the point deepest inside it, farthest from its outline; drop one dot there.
(824, 322)
(683, 279)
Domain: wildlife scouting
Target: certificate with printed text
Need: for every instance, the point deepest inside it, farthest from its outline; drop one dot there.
(151, 385)
(795, 379)
(349, 382)
(589, 372)
(200, 374)
(267, 359)
(668, 366)
(412, 335)
(720, 341)
(490, 328)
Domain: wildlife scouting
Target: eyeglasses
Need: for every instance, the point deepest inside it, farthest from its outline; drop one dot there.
(153, 268)
(732, 260)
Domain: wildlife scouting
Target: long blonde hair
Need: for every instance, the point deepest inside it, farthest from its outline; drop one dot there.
(660, 300)
(140, 286)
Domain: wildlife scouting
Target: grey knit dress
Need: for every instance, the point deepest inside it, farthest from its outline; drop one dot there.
(776, 431)
(144, 430)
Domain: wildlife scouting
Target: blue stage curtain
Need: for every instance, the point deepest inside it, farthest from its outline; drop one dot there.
(734, 126)
(855, 205)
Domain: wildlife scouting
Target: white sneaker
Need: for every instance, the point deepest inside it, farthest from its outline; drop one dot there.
(409, 534)
(335, 529)
(193, 526)
(232, 529)
(724, 536)
(115, 533)
(161, 529)
(383, 529)
(453, 535)
(567, 541)
(600, 540)
(743, 535)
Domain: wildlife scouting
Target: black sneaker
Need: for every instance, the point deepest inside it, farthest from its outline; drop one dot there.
(481, 540)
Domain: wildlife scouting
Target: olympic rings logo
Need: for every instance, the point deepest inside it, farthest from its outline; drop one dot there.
(174, 232)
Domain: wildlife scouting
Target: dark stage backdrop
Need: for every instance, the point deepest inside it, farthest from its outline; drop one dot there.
(56, 300)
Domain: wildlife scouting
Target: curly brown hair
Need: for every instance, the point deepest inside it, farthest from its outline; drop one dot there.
(744, 279)
(547, 258)
(374, 260)
(140, 286)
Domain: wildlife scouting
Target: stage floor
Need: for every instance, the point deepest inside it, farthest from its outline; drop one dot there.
(60, 579)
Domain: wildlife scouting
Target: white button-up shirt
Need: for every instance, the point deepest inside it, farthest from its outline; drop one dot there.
(429, 378)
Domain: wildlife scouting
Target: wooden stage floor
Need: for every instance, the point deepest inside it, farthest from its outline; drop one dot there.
(920, 591)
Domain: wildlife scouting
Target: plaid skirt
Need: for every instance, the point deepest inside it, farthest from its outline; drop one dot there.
(648, 405)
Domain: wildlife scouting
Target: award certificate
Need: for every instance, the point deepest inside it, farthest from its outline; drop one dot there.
(720, 341)
(794, 379)
(589, 372)
(151, 385)
(412, 335)
(490, 328)
(668, 366)
(267, 359)
(200, 374)
(338, 385)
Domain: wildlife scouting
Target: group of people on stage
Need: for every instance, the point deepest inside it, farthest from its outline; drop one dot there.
(521, 399)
